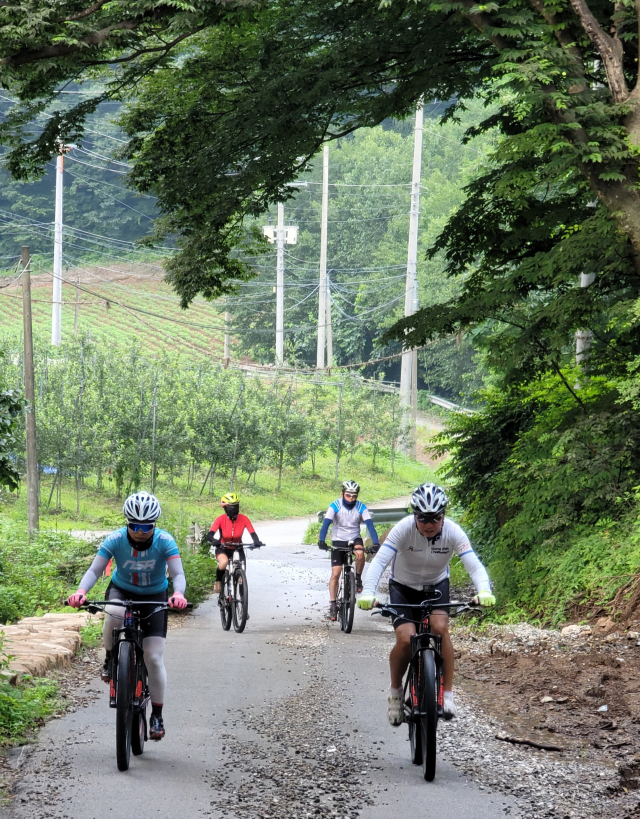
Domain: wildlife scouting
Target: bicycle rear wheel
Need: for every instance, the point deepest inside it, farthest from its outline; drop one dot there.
(349, 602)
(139, 726)
(240, 599)
(415, 723)
(429, 709)
(124, 704)
(225, 603)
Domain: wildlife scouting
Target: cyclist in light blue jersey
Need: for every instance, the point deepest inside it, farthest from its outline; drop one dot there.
(142, 554)
(346, 515)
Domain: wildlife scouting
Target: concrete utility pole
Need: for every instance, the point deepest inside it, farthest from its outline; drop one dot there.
(329, 325)
(584, 337)
(33, 491)
(77, 307)
(280, 237)
(413, 440)
(324, 308)
(410, 293)
(226, 358)
(56, 298)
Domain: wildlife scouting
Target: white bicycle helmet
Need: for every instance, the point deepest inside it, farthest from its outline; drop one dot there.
(141, 507)
(429, 499)
(351, 487)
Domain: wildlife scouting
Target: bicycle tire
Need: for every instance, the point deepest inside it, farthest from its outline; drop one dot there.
(139, 726)
(225, 603)
(124, 704)
(349, 604)
(429, 719)
(415, 724)
(240, 600)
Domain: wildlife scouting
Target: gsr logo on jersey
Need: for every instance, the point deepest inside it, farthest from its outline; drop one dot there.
(139, 565)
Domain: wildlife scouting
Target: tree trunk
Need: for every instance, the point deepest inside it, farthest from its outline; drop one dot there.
(280, 468)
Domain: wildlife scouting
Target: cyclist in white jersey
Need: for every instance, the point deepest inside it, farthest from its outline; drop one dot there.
(421, 547)
(346, 514)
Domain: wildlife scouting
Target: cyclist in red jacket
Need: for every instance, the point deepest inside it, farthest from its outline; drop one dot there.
(230, 527)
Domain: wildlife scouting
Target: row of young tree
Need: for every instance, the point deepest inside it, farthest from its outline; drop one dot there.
(110, 413)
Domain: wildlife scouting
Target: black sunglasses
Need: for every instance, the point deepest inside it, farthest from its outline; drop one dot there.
(429, 518)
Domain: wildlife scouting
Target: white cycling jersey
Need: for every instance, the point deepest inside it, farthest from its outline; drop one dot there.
(418, 560)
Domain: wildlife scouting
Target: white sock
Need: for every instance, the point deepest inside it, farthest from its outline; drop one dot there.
(396, 691)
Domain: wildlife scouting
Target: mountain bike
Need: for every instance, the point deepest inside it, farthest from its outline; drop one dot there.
(423, 692)
(346, 598)
(234, 593)
(128, 681)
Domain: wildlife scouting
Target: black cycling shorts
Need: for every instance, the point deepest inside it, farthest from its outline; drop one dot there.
(405, 594)
(339, 556)
(222, 550)
(154, 626)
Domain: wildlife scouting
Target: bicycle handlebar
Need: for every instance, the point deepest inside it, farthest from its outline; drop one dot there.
(392, 611)
(235, 544)
(94, 606)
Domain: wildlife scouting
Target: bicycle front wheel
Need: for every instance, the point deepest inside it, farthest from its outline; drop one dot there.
(429, 718)
(240, 599)
(415, 723)
(349, 602)
(224, 602)
(124, 704)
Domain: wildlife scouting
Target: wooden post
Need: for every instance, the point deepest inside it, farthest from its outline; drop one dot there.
(33, 513)
(75, 316)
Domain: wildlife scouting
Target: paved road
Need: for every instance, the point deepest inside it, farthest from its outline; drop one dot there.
(284, 721)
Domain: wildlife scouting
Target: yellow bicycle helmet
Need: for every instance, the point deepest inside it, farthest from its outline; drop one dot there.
(230, 497)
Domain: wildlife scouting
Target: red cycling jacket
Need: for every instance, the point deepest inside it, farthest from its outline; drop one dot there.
(231, 530)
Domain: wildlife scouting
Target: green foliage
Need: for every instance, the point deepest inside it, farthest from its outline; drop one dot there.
(200, 571)
(37, 575)
(369, 203)
(118, 416)
(91, 634)
(24, 706)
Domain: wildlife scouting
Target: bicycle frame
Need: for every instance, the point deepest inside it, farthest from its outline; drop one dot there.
(130, 632)
(423, 641)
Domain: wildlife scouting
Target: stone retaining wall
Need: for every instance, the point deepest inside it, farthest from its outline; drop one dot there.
(36, 644)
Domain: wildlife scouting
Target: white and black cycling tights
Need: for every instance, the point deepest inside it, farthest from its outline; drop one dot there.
(153, 648)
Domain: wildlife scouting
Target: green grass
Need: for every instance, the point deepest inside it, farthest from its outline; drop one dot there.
(25, 706)
(91, 634)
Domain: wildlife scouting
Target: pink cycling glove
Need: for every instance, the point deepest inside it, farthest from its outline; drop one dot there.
(77, 599)
(178, 601)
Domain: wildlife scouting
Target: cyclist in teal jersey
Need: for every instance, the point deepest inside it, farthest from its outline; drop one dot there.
(142, 554)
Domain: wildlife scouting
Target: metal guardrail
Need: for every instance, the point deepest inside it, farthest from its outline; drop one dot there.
(390, 514)
(449, 405)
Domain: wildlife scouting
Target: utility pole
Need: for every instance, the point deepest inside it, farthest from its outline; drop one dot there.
(282, 236)
(584, 337)
(324, 309)
(227, 346)
(329, 325)
(56, 298)
(280, 286)
(410, 295)
(33, 493)
(75, 315)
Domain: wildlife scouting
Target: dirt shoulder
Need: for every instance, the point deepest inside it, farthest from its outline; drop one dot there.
(579, 692)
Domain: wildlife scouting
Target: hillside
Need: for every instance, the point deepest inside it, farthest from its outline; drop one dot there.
(117, 304)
